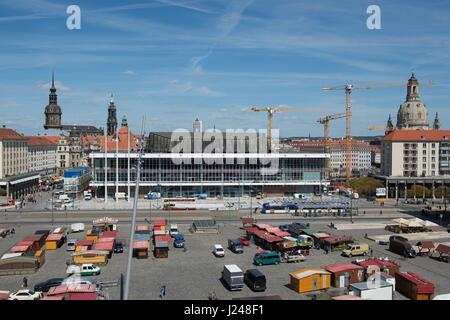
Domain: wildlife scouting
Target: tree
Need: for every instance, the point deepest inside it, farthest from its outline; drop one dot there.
(442, 191)
(419, 191)
(366, 186)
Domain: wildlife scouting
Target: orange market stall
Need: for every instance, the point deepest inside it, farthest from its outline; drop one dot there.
(307, 280)
(54, 241)
(141, 249)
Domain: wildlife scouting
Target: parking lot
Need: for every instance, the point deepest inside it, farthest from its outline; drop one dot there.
(196, 272)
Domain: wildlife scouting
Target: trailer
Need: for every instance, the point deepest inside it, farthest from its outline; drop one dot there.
(372, 290)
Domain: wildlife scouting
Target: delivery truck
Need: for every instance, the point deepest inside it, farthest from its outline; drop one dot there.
(233, 277)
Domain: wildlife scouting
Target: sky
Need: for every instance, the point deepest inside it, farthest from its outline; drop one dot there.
(173, 60)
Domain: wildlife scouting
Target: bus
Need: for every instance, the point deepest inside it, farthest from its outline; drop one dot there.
(279, 208)
(180, 199)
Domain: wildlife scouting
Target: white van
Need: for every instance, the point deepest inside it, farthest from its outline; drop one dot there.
(77, 227)
(173, 230)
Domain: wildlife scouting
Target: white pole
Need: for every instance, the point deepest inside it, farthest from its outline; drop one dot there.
(128, 173)
(117, 166)
(106, 163)
(133, 220)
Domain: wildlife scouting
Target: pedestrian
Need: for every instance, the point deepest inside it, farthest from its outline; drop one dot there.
(371, 252)
(381, 212)
(24, 282)
(13, 231)
(364, 211)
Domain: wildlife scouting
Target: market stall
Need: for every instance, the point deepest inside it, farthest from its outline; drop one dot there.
(306, 280)
(414, 286)
(344, 274)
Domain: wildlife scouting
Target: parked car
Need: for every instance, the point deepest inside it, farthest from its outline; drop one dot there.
(284, 227)
(173, 230)
(71, 245)
(179, 241)
(244, 241)
(218, 251)
(356, 249)
(86, 269)
(255, 280)
(235, 246)
(266, 258)
(118, 247)
(25, 294)
(46, 285)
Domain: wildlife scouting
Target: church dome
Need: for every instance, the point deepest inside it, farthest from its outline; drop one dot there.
(413, 113)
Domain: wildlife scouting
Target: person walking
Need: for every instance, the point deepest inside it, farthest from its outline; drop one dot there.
(24, 282)
(162, 292)
(371, 252)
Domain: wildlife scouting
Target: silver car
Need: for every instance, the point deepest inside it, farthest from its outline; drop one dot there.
(71, 245)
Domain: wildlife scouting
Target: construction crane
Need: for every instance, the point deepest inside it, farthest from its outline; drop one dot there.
(271, 111)
(326, 135)
(348, 91)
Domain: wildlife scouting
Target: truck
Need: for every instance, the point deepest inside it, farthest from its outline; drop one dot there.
(86, 269)
(400, 245)
(233, 277)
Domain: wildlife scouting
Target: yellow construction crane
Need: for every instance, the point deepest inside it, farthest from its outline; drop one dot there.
(271, 111)
(348, 91)
(326, 135)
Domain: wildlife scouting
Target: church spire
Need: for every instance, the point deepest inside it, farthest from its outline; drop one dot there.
(436, 123)
(389, 125)
(112, 117)
(52, 110)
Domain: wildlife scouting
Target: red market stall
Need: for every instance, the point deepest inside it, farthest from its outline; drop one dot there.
(71, 290)
(142, 229)
(414, 286)
(83, 244)
(161, 249)
(444, 252)
(109, 234)
(383, 265)
(26, 250)
(105, 246)
(344, 274)
(141, 249)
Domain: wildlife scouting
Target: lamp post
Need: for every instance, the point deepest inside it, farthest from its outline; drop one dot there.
(133, 220)
(53, 194)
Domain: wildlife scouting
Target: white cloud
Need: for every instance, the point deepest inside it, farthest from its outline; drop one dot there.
(129, 72)
(194, 89)
(59, 86)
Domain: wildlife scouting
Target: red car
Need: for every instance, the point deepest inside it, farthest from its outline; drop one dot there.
(244, 241)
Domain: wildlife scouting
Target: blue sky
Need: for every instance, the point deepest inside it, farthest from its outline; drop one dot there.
(173, 60)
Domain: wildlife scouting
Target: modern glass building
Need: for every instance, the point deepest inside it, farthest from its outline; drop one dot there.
(218, 174)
